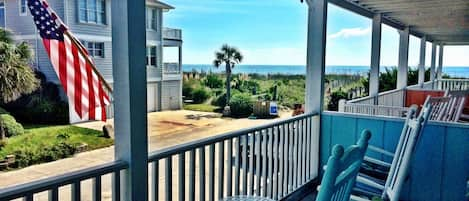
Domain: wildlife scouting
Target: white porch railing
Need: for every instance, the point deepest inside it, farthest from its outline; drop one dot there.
(170, 33)
(453, 84)
(52, 185)
(272, 161)
(268, 161)
(370, 109)
(171, 68)
(388, 98)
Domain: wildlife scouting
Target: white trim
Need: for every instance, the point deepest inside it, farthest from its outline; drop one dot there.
(153, 43)
(19, 8)
(80, 36)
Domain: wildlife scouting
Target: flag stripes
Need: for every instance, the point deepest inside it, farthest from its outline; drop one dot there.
(72, 64)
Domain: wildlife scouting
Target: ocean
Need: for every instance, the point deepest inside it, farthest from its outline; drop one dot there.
(452, 71)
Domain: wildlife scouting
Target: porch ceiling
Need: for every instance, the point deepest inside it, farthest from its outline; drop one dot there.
(444, 21)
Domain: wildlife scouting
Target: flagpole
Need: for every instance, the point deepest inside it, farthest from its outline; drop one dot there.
(88, 61)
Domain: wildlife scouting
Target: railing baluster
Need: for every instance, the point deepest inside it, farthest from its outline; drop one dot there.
(295, 155)
(270, 163)
(237, 166)
(211, 176)
(251, 164)
(229, 168)
(202, 173)
(282, 159)
(192, 175)
(303, 150)
(181, 176)
(275, 156)
(308, 149)
(169, 179)
(300, 152)
(290, 158)
(76, 191)
(28, 197)
(54, 194)
(155, 180)
(97, 188)
(264, 164)
(258, 156)
(245, 164)
(221, 169)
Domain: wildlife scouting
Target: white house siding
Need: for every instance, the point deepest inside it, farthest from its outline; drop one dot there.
(171, 98)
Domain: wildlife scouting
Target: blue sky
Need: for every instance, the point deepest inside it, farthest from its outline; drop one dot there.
(274, 32)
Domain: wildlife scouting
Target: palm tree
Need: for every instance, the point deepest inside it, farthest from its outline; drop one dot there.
(230, 56)
(16, 76)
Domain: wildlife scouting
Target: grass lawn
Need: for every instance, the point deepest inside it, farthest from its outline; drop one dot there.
(40, 137)
(202, 107)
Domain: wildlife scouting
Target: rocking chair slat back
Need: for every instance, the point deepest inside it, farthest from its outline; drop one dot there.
(342, 170)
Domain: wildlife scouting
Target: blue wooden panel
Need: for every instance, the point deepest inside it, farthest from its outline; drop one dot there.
(392, 132)
(343, 131)
(456, 164)
(377, 134)
(426, 165)
(325, 146)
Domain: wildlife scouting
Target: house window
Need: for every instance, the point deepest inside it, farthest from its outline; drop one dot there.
(152, 19)
(95, 49)
(92, 11)
(151, 56)
(2, 13)
(23, 6)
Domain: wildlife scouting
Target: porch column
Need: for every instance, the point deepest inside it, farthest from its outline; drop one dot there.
(403, 66)
(440, 62)
(130, 94)
(375, 57)
(315, 62)
(423, 44)
(315, 70)
(432, 66)
(181, 73)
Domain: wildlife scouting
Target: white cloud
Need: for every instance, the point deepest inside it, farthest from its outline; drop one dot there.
(350, 32)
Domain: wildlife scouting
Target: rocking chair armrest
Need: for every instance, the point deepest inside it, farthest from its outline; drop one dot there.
(357, 198)
(369, 182)
(381, 151)
(377, 162)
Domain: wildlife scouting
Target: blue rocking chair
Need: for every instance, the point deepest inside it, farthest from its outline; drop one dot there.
(342, 170)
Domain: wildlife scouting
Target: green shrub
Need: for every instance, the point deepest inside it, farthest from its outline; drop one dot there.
(11, 127)
(220, 100)
(213, 81)
(26, 156)
(241, 105)
(200, 95)
(43, 106)
(3, 143)
(336, 96)
(3, 111)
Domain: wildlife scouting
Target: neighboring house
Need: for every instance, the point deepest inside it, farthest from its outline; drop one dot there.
(90, 21)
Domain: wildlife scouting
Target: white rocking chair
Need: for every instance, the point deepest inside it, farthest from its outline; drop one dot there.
(368, 186)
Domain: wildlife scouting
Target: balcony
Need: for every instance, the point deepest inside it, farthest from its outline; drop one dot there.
(172, 34)
(171, 68)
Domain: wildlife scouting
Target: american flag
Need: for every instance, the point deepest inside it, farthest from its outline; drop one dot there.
(81, 81)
